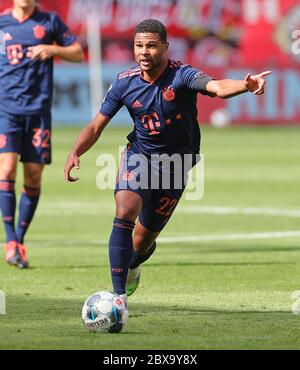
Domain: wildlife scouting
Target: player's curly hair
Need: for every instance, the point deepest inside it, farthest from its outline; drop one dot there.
(152, 26)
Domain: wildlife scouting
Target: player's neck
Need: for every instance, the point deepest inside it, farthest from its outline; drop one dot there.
(23, 13)
(153, 75)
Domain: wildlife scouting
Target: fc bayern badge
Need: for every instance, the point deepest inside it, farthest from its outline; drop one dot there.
(39, 31)
(169, 93)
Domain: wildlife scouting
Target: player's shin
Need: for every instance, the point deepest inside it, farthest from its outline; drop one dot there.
(120, 251)
(27, 206)
(8, 208)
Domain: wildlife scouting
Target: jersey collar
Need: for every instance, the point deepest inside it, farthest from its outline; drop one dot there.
(152, 82)
(19, 20)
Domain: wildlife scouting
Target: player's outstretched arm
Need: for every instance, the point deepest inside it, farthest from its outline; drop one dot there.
(71, 53)
(228, 88)
(86, 139)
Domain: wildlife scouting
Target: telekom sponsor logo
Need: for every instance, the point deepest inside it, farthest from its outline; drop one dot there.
(2, 303)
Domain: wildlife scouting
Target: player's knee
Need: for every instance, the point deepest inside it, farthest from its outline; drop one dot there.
(33, 180)
(8, 173)
(126, 213)
(8, 168)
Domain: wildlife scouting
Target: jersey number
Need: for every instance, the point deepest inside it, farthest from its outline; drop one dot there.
(41, 138)
(167, 206)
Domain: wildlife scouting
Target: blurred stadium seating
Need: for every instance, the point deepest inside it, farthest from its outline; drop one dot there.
(225, 38)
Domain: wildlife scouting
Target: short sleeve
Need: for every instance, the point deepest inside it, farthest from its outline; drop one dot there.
(62, 34)
(195, 79)
(112, 101)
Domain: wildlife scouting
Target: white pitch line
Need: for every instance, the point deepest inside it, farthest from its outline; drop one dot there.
(240, 211)
(69, 208)
(184, 239)
(246, 236)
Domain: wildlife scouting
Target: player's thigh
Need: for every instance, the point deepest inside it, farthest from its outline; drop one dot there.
(33, 174)
(143, 238)
(8, 166)
(36, 146)
(128, 205)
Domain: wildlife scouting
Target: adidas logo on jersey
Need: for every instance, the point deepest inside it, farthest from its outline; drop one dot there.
(137, 104)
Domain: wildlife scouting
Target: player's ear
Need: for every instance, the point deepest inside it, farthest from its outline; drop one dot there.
(167, 45)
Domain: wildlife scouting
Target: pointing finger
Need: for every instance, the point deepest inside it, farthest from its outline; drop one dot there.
(266, 73)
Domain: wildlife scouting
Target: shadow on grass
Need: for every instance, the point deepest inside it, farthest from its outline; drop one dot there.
(56, 322)
(24, 306)
(153, 263)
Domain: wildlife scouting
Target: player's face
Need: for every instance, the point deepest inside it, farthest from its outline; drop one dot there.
(149, 51)
(24, 4)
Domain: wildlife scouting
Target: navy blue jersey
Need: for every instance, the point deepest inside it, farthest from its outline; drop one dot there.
(27, 85)
(164, 111)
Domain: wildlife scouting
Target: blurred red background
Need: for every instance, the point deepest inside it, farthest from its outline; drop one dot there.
(224, 38)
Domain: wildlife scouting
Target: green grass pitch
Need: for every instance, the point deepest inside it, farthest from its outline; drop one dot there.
(227, 287)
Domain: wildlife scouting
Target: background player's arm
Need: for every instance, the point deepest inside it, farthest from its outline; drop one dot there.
(71, 53)
(228, 88)
(86, 139)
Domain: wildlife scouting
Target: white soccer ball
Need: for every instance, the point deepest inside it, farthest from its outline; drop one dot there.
(105, 312)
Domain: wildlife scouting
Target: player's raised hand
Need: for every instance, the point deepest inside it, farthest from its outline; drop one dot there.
(72, 161)
(40, 52)
(256, 83)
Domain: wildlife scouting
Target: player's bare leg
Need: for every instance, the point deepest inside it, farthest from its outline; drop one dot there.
(128, 205)
(143, 239)
(8, 172)
(27, 206)
(8, 166)
(33, 174)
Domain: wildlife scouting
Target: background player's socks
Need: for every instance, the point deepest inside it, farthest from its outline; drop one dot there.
(120, 251)
(27, 206)
(8, 208)
(137, 259)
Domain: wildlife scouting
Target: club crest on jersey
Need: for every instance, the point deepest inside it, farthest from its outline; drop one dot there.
(3, 141)
(39, 31)
(169, 93)
(129, 176)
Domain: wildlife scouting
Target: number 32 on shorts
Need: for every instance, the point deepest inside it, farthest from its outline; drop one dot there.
(41, 138)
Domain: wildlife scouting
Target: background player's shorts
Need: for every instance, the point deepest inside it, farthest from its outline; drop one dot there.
(27, 135)
(138, 174)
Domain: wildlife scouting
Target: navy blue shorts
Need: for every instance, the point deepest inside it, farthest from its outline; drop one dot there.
(159, 189)
(27, 135)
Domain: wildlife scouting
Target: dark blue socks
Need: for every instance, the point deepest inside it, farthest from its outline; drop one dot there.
(8, 208)
(27, 206)
(120, 251)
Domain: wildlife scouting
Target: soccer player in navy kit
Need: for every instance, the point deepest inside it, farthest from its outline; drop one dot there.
(160, 96)
(30, 38)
